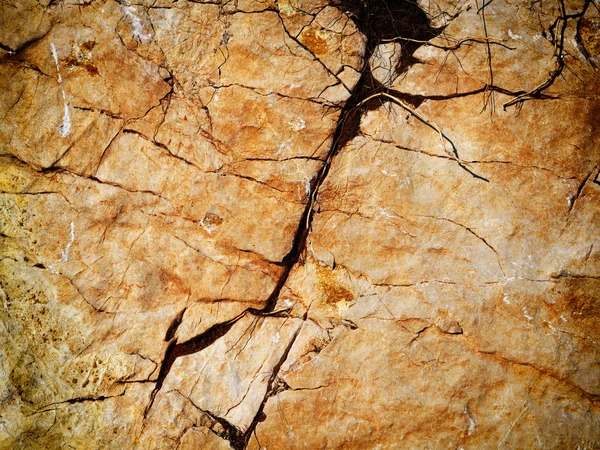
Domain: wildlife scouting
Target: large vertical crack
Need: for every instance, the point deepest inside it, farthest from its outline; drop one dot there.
(378, 20)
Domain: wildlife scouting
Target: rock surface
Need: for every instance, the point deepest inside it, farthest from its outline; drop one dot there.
(299, 224)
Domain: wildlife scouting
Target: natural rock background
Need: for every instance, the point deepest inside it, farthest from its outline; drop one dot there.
(298, 224)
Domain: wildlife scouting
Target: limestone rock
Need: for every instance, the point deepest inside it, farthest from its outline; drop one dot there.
(299, 224)
(384, 61)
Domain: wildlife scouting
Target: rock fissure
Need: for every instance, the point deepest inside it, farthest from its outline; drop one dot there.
(76, 400)
(346, 129)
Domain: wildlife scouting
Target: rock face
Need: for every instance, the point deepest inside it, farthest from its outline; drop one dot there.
(299, 224)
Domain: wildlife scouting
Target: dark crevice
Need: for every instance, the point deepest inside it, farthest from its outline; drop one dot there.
(72, 401)
(382, 21)
(6, 48)
(16, 53)
(90, 399)
(378, 20)
(577, 194)
(170, 334)
(105, 112)
(194, 345)
(61, 170)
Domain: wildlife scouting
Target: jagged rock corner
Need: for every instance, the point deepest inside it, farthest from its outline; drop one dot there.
(300, 224)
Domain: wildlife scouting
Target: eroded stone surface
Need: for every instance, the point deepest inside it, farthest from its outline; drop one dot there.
(200, 251)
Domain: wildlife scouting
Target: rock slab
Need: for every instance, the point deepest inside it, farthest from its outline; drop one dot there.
(299, 224)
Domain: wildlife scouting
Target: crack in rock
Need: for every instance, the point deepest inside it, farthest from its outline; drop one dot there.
(377, 20)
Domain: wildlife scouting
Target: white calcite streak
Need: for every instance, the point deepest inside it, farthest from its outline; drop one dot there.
(55, 56)
(65, 128)
(65, 253)
(137, 27)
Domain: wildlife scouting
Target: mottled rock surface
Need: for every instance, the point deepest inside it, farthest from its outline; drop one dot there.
(299, 224)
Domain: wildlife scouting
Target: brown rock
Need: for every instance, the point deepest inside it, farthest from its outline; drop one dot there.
(299, 224)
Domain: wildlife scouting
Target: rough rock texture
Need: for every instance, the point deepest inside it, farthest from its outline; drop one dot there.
(299, 224)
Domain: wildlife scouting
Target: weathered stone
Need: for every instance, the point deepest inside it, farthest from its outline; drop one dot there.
(385, 61)
(299, 224)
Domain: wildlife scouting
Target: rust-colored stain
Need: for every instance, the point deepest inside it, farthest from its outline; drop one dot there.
(212, 219)
(334, 291)
(81, 57)
(438, 251)
(579, 297)
(315, 40)
(589, 30)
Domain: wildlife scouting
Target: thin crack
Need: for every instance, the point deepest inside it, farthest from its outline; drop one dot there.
(75, 400)
(573, 200)
(470, 230)
(242, 443)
